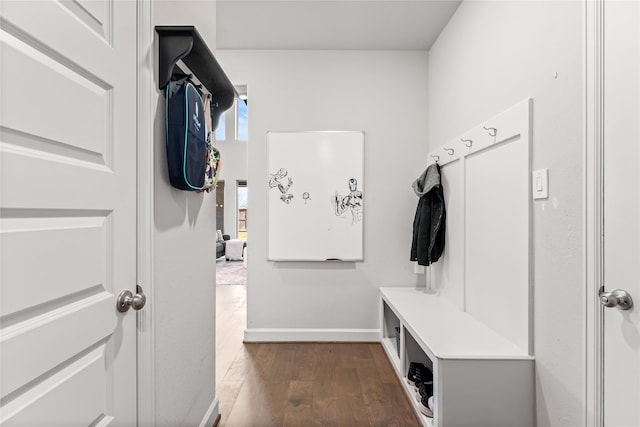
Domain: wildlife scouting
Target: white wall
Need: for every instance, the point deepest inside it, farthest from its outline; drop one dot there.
(490, 56)
(184, 261)
(385, 95)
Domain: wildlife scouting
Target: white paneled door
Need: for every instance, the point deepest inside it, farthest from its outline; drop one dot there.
(622, 211)
(68, 218)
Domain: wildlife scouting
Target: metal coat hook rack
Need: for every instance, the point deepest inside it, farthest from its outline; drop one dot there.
(481, 137)
(492, 131)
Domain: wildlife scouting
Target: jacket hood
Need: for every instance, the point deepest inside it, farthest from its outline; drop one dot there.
(429, 179)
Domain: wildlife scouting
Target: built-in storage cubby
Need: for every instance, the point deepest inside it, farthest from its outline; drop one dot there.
(480, 378)
(391, 334)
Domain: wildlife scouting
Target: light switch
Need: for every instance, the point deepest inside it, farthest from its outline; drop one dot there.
(540, 183)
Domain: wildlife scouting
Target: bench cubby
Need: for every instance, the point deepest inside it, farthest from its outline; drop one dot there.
(480, 377)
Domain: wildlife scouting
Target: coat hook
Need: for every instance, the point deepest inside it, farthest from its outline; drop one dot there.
(435, 157)
(467, 142)
(492, 131)
(449, 151)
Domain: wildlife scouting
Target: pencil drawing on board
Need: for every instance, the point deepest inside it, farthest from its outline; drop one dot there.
(275, 182)
(351, 202)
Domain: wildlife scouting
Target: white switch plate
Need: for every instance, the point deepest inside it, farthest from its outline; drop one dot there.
(540, 184)
(418, 269)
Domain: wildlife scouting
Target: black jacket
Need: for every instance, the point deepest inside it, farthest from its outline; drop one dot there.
(429, 223)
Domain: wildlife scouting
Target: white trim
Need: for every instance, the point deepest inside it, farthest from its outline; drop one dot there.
(211, 414)
(311, 335)
(530, 220)
(145, 267)
(593, 210)
(508, 125)
(514, 125)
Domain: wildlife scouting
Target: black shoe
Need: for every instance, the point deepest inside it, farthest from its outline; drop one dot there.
(418, 373)
(424, 392)
(424, 407)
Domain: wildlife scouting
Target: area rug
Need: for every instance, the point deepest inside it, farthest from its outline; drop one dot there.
(230, 273)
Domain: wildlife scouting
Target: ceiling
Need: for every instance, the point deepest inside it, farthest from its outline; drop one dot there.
(332, 24)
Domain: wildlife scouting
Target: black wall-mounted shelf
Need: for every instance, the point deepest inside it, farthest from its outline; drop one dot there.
(185, 43)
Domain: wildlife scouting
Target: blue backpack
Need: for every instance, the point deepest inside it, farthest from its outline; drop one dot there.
(186, 136)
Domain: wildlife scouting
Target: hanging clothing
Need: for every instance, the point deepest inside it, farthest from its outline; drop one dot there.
(429, 223)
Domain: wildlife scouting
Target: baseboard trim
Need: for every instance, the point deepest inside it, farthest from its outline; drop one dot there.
(311, 335)
(211, 416)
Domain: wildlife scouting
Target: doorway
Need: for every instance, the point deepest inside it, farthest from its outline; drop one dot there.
(232, 223)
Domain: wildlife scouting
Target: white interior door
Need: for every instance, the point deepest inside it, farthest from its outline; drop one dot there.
(68, 224)
(622, 211)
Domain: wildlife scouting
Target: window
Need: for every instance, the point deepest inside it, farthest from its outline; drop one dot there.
(242, 220)
(243, 126)
(242, 209)
(234, 124)
(221, 130)
(220, 205)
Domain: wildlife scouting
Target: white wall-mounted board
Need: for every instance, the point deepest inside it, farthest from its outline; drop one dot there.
(496, 261)
(486, 267)
(316, 196)
(448, 272)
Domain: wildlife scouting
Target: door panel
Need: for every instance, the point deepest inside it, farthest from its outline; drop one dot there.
(49, 83)
(93, 13)
(76, 394)
(622, 211)
(67, 212)
(50, 329)
(39, 239)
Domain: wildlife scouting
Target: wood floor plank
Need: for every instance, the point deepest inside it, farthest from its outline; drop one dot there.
(244, 410)
(230, 390)
(299, 403)
(350, 354)
(283, 366)
(370, 382)
(252, 395)
(360, 350)
(386, 371)
(231, 315)
(324, 409)
(272, 406)
(403, 412)
(351, 407)
(276, 385)
(376, 401)
(304, 362)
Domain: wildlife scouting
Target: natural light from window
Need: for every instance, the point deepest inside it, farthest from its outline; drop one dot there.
(221, 129)
(240, 127)
(242, 209)
(243, 126)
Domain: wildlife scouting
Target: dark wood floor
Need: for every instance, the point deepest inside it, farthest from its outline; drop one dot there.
(312, 384)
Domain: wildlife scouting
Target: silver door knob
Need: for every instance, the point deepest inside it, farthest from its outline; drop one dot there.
(127, 300)
(616, 298)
